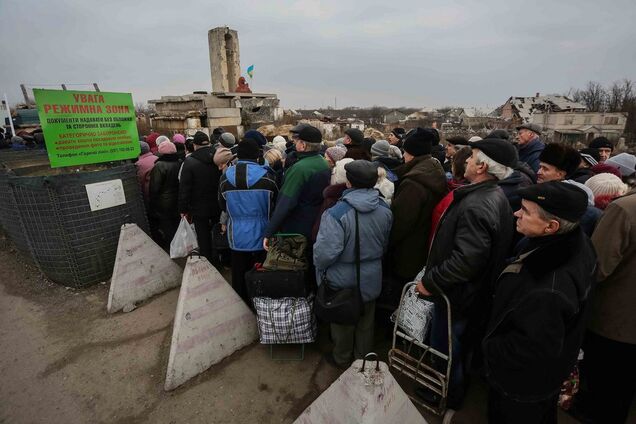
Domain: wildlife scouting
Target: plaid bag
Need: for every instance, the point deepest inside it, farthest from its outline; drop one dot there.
(286, 320)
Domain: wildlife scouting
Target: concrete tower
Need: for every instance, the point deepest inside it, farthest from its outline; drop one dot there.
(225, 65)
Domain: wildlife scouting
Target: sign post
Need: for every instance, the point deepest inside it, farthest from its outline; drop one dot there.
(85, 127)
(8, 108)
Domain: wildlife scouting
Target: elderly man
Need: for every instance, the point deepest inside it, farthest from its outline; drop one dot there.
(468, 250)
(604, 147)
(539, 307)
(529, 144)
(359, 214)
(557, 162)
(300, 197)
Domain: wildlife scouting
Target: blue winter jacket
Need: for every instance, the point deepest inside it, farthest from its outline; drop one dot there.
(334, 250)
(247, 192)
(530, 153)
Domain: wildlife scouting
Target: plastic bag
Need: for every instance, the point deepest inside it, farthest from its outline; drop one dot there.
(416, 314)
(184, 240)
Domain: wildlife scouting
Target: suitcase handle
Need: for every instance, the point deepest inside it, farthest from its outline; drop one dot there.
(377, 361)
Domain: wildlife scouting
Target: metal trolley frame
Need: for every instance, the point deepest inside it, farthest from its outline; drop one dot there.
(408, 357)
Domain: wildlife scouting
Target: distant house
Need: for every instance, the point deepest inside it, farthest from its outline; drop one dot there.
(573, 127)
(520, 109)
(393, 117)
(357, 123)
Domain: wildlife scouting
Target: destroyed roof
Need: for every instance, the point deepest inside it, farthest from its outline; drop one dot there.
(526, 106)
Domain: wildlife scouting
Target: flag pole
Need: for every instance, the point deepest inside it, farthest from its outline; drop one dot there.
(6, 103)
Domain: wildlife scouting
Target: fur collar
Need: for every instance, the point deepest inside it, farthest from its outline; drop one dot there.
(552, 252)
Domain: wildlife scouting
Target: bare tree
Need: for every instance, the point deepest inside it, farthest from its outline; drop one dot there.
(594, 96)
(620, 96)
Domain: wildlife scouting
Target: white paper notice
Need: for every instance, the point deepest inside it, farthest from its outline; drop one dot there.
(105, 194)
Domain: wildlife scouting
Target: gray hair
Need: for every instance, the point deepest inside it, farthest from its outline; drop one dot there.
(565, 226)
(495, 169)
(312, 147)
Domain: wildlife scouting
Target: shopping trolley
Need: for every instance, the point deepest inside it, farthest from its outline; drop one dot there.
(422, 364)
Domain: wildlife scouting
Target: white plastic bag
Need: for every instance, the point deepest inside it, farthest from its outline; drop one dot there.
(184, 240)
(416, 314)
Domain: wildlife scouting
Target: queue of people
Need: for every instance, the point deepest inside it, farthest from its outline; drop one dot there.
(531, 242)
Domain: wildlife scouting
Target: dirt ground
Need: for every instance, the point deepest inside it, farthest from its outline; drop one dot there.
(63, 359)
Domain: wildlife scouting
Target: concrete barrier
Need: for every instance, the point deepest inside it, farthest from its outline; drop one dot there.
(211, 323)
(142, 269)
(356, 397)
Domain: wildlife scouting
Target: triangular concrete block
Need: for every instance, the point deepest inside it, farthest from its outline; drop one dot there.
(211, 323)
(369, 398)
(142, 269)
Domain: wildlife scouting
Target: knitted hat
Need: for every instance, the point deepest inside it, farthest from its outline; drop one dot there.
(380, 149)
(256, 136)
(162, 139)
(625, 162)
(222, 156)
(145, 148)
(398, 132)
(227, 139)
(606, 187)
(362, 173)
(279, 139)
(606, 184)
(590, 155)
(419, 142)
(339, 175)
(167, 148)
(435, 133)
(474, 138)
(601, 142)
(355, 135)
(498, 150)
(336, 153)
(178, 139)
(201, 138)
(248, 149)
(561, 156)
(604, 167)
(458, 141)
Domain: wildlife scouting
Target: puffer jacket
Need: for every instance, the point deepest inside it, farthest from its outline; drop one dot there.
(334, 250)
(538, 317)
(144, 165)
(247, 192)
(164, 186)
(421, 185)
(469, 248)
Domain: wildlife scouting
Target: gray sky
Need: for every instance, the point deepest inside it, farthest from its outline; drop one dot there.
(395, 53)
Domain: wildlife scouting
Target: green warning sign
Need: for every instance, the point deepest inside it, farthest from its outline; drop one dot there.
(84, 127)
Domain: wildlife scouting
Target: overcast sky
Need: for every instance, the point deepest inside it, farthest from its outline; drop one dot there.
(391, 53)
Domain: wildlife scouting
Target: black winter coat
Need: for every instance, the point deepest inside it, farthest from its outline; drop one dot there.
(199, 184)
(164, 186)
(538, 317)
(468, 250)
(581, 175)
(421, 185)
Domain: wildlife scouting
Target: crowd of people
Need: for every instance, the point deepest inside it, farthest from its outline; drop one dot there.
(532, 243)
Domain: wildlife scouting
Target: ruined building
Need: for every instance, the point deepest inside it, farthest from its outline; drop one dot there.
(223, 107)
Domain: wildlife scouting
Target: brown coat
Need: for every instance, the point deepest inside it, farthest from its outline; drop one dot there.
(612, 310)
